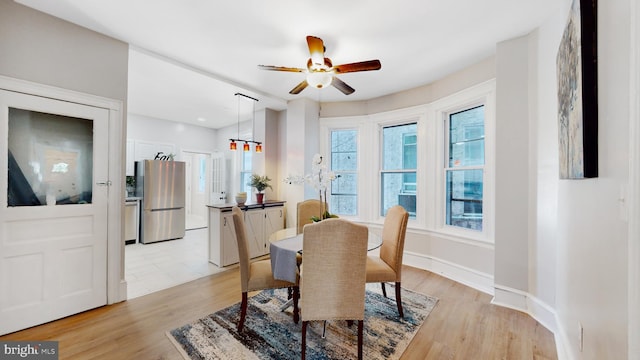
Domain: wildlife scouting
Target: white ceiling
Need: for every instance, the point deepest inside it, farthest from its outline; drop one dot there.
(189, 58)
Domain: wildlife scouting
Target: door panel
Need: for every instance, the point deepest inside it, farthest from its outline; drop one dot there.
(53, 259)
(254, 224)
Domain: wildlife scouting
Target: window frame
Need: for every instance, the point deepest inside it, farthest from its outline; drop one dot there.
(481, 95)
(337, 172)
(448, 168)
(382, 171)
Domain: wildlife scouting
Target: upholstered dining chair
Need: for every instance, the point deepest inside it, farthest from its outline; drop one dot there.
(306, 209)
(387, 267)
(256, 275)
(332, 279)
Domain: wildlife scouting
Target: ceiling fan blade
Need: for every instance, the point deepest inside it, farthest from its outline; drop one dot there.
(280, 68)
(342, 86)
(358, 66)
(316, 50)
(299, 87)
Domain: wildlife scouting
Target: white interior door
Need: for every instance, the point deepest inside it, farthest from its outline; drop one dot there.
(197, 188)
(53, 209)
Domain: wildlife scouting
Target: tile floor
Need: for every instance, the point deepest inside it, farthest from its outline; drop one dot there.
(157, 266)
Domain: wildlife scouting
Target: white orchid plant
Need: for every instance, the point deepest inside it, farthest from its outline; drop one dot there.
(320, 179)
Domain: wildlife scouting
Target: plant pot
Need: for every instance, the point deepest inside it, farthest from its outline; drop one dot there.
(259, 198)
(241, 198)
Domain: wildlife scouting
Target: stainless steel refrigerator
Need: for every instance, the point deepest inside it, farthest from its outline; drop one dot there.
(161, 184)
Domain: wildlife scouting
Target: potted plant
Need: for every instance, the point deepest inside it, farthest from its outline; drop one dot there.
(260, 183)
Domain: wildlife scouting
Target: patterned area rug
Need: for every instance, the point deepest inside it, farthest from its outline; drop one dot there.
(271, 334)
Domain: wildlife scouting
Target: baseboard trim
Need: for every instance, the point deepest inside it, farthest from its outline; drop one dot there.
(469, 277)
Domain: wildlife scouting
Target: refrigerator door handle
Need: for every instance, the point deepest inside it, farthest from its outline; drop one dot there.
(166, 209)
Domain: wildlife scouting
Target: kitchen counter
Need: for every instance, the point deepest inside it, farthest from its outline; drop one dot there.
(261, 220)
(247, 206)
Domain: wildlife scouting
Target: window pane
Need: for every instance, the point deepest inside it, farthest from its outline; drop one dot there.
(393, 194)
(396, 153)
(344, 163)
(344, 141)
(466, 137)
(464, 198)
(399, 152)
(244, 181)
(245, 174)
(50, 159)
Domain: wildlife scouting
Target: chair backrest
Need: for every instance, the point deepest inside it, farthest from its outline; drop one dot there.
(334, 258)
(305, 210)
(243, 247)
(393, 233)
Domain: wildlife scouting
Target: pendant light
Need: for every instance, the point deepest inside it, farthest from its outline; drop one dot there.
(246, 147)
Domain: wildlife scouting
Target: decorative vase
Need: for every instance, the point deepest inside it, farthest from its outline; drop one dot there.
(241, 198)
(259, 198)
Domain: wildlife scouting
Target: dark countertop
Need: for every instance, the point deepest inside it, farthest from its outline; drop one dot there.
(247, 205)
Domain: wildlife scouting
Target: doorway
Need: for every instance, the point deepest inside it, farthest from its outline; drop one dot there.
(197, 188)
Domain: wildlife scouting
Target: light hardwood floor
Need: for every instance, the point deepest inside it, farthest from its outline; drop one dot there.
(463, 325)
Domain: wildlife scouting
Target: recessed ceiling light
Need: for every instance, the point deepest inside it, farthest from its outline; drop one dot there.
(202, 119)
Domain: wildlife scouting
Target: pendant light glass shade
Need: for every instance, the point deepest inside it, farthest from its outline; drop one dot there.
(246, 147)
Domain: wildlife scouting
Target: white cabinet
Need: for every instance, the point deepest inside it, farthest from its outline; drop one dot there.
(223, 249)
(254, 225)
(273, 221)
(260, 222)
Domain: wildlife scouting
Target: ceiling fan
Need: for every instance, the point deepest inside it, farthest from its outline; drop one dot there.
(320, 70)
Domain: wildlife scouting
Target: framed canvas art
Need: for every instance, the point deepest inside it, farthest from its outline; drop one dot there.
(577, 71)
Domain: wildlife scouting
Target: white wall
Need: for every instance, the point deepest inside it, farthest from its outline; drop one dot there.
(183, 136)
(589, 236)
(46, 50)
(450, 84)
(512, 164)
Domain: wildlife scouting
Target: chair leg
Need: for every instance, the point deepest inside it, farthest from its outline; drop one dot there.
(304, 339)
(384, 290)
(399, 300)
(296, 310)
(360, 331)
(243, 311)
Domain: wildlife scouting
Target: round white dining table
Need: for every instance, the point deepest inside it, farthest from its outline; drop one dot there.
(284, 246)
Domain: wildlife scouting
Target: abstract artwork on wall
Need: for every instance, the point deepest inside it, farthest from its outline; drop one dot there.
(577, 73)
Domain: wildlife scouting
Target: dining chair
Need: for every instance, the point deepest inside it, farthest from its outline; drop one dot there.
(332, 279)
(256, 275)
(387, 267)
(306, 209)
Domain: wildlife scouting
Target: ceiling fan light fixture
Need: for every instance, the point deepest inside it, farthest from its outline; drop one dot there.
(319, 79)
